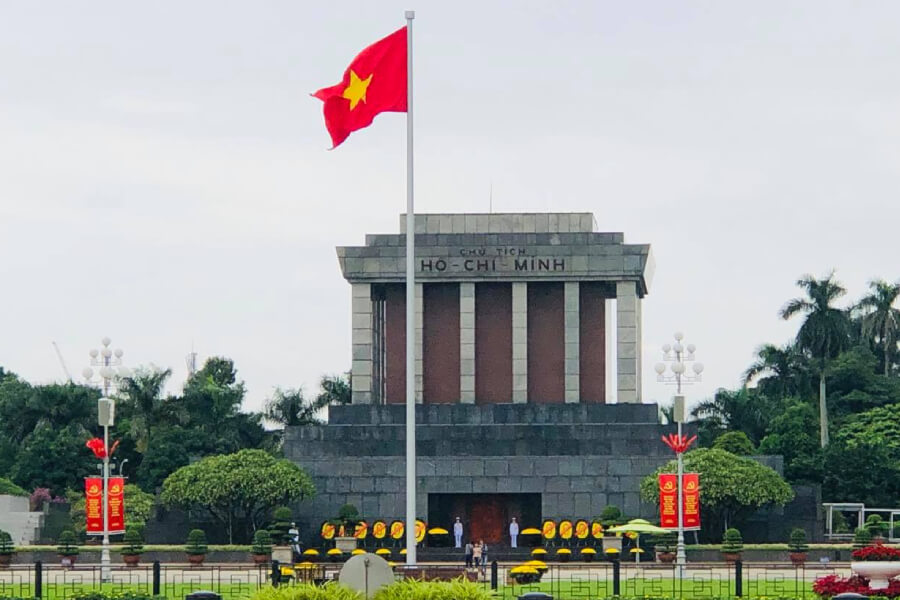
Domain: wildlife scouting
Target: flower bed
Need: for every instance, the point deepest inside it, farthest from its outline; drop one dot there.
(878, 552)
(832, 585)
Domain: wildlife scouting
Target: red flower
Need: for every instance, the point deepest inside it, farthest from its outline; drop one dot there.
(878, 552)
(832, 585)
(96, 445)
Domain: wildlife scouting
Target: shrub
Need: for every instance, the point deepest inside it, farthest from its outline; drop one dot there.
(797, 540)
(128, 595)
(732, 542)
(67, 544)
(305, 591)
(8, 488)
(281, 517)
(611, 516)
(433, 590)
(196, 543)
(862, 537)
(876, 526)
(666, 542)
(133, 542)
(262, 542)
(735, 442)
(348, 517)
(6, 546)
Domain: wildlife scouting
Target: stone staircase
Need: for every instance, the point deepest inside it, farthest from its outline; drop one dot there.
(18, 521)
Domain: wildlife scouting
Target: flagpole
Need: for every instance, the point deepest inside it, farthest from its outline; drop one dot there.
(410, 309)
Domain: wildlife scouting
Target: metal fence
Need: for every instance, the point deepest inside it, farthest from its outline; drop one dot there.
(562, 581)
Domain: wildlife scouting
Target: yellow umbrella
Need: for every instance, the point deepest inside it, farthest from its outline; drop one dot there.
(638, 526)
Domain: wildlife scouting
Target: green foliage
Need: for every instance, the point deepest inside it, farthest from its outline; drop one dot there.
(732, 541)
(330, 591)
(410, 589)
(864, 472)
(67, 544)
(348, 516)
(797, 540)
(666, 542)
(877, 526)
(862, 537)
(118, 595)
(239, 489)
(133, 544)
(6, 545)
(8, 488)
(262, 542)
(794, 434)
(611, 516)
(735, 442)
(731, 487)
(196, 543)
(282, 518)
(739, 410)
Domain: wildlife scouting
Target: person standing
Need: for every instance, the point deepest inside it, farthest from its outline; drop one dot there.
(470, 550)
(294, 537)
(476, 554)
(513, 533)
(484, 557)
(458, 532)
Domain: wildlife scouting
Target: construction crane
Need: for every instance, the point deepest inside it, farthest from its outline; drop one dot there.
(62, 362)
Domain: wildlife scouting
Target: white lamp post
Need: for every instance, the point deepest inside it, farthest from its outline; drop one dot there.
(679, 356)
(107, 360)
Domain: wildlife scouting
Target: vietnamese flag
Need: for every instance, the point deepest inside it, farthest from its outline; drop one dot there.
(375, 82)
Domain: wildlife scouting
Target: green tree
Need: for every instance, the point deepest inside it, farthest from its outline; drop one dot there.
(860, 472)
(171, 449)
(738, 410)
(290, 408)
(139, 507)
(238, 490)
(731, 487)
(143, 403)
(779, 372)
(880, 320)
(793, 434)
(825, 331)
(735, 442)
(334, 389)
(53, 458)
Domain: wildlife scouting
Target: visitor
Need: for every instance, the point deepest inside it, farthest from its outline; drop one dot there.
(484, 557)
(513, 533)
(458, 532)
(470, 550)
(476, 554)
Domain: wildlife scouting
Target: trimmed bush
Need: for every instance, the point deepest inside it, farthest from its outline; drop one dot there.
(732, 542)
(877, 526)
(797, 540)
(196, 543)
(862, 537)
(6, 546)
(133, 542)
(67, 544)
(262, 542)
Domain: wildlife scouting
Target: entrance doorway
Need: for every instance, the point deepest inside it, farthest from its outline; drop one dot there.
(484, 516)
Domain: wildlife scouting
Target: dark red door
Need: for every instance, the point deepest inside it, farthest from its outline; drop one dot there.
(486, 518)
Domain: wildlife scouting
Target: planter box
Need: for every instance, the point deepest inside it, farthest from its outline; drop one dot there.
(876, 571)
(345, 544)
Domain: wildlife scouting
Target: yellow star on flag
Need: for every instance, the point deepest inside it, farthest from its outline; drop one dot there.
(356, 90)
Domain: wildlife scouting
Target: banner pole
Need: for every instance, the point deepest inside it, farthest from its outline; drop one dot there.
(410, 308)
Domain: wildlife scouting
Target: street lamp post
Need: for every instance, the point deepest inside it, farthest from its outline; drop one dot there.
(679, 355)
(106, 360)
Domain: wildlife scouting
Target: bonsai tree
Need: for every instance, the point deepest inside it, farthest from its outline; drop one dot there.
(133, 548)
(876, 526)
(346, 520)
(7, 549)
(797, 546)
(262, 546)
(67, 547)
(666, 544)
(862, 537)
(281, 523)
(611, 516)
(195, 547)
(732, 544)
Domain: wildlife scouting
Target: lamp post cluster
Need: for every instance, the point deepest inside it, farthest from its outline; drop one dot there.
(109, 370)
(679, 356)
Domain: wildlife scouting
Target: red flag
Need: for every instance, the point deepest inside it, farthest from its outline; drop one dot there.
(375, 82)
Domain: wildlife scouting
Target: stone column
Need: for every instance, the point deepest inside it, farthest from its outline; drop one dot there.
(572, 330)
(520, 341)
(467, 343)
(628, 342)
(420, 328)
(361, 341)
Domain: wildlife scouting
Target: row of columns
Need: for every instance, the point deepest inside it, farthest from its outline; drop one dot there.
(628, 342)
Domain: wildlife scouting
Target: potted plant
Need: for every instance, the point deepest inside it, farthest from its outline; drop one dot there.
(588, 554)
(862, 537)
(67, 548)
(732, 544)
(345, 523)
(877, 527)
(797, 546)
(877, 563)
(262, 547)
(281, 524)
(7, 549)
(133, 548)
(610, 517)
(195, 548)
(665, 546)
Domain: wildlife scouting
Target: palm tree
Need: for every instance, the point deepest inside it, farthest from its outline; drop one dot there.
(143, 395)
(335, 390)
(825, 331)
(739, 410)
(290, 408)
(880, 320)
(780, 372)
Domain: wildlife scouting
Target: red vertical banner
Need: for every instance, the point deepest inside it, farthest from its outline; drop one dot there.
(116, 505)
(668, 501)
(93, 504)
(691, 499)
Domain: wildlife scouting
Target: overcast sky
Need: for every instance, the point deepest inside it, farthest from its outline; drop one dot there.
(164, 178)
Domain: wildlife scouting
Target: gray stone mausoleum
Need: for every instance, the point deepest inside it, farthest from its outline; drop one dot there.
(519, 320)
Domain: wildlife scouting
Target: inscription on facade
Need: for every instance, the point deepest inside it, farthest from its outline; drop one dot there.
(486, 259)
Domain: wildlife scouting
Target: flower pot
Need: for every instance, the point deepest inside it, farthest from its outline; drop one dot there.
(196, 559)
(131, 560)
(588, 557)
(260, 559)
(563, 558)
(5, 559)
(876, 571)
(67, 560)
(666, 558)
(731, 557)
(798, 558)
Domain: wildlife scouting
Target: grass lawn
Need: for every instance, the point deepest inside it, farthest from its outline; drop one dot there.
(663, 587)
(173, 591)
